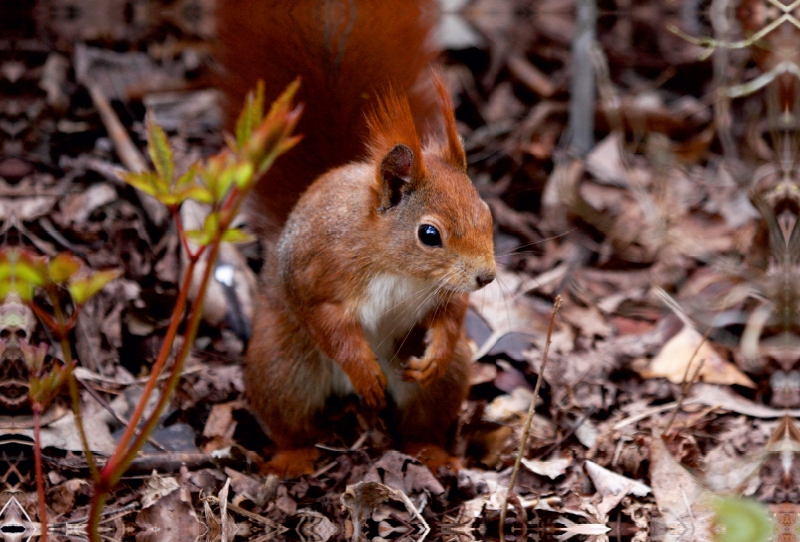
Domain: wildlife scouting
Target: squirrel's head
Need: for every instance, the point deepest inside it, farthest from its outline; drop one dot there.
(439, 229)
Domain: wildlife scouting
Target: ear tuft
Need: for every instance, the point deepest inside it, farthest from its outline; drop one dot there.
(453, 152)
(391, 124)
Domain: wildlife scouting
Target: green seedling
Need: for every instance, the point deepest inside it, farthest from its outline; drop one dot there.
(221, 182)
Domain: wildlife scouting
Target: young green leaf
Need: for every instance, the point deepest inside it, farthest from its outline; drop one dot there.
(44, 389)
(236, 236)
(28, 269)
(200, 194)
(148, 182)
(243, 176)
(199, 237)
(251, 115)
(224, 182)
(84, 288)
(160, 150)
(63, 267)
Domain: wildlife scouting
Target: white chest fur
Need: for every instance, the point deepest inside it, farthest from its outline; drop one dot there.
(392, 306)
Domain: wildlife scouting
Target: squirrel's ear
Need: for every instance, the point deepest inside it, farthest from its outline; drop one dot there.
(397, 169)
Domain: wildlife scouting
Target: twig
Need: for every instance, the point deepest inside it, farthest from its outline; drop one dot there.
(128, 152)
(528, 422)
(144, 464)
(121, 419)
(687, 322)
(685, 387)
(530, 75)
(721, 23)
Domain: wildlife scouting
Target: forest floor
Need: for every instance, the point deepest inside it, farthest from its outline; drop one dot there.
(664, 214)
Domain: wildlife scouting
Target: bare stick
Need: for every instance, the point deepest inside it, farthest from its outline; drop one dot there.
(721, 23)
(582, 87)
(686, 385)
(527, 430)
(126, 150)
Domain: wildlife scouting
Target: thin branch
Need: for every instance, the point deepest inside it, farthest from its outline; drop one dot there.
(528, 422)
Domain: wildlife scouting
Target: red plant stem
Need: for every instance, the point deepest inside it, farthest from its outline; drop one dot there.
(176, 216)
(37, 458)
(75, 399)
(174, 378)
(113, 469)
(48, 320)
(124, 455)
(62, 330)
(155, 372)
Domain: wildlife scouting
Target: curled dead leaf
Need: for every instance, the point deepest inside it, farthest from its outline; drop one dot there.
(679, 352)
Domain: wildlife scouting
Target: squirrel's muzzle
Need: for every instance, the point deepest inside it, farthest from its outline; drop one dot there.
(484, 278)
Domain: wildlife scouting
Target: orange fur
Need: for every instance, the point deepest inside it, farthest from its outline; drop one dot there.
(354, 301)
(390, 123)
(345, 52)
(454, 153)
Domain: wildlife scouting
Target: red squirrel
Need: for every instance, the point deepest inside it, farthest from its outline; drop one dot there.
(368, 285)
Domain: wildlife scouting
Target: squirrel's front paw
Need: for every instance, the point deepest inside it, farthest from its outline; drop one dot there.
(423, 370)
(369, 382)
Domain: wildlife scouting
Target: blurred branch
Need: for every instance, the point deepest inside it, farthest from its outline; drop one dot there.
(721, 22)
(582, 87)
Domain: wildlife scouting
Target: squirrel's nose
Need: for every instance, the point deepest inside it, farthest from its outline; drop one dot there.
(484, 279)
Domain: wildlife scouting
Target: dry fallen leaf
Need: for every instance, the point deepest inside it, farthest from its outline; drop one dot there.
(680, 499)
(571, 529)
(169, 519)
(504, 307)
(313, 526)
(220, 421)
(156, 487)
(61, 498)
(678, 352)
(552, 468)
(611, 483)
(588, 320)
(494, 488)
(404, 473)
(77, 207)
(724, 398)
(376, 502)
(63, 434)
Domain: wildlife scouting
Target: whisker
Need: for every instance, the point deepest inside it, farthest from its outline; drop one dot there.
(413, 296)
(429, 292)
(438, 306)
(502, 285)
(515, 250)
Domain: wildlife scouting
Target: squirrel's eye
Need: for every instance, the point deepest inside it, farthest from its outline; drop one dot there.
(429, 235)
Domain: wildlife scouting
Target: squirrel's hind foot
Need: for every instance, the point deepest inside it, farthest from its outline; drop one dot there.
(433, 456)
(291, 463)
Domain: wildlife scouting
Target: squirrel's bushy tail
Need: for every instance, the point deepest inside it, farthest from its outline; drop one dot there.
(345, 52)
